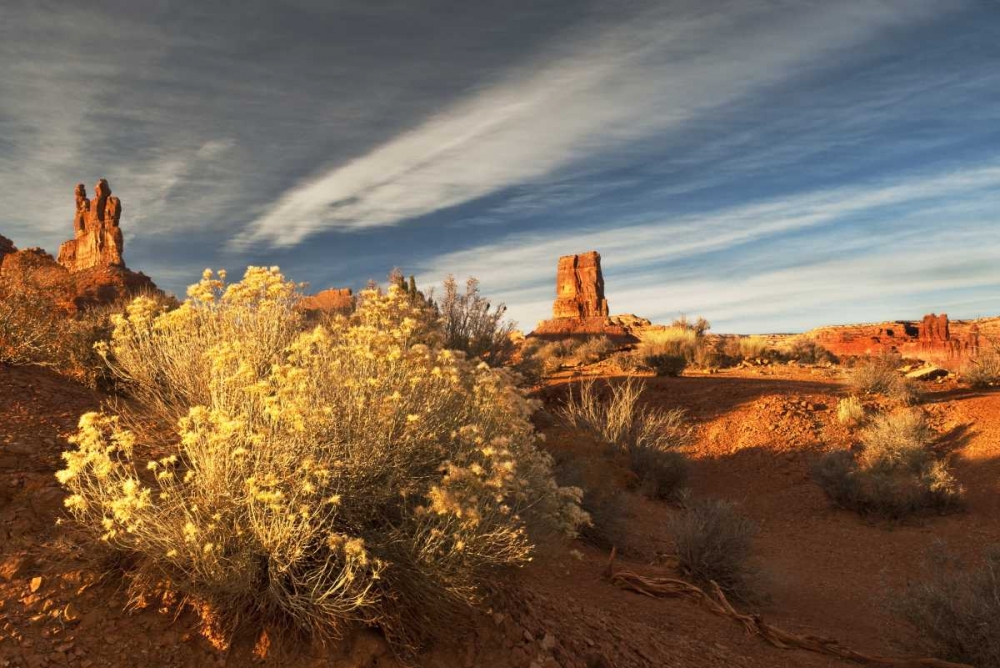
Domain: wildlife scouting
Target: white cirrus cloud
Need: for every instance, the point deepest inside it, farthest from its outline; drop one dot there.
(640, 80)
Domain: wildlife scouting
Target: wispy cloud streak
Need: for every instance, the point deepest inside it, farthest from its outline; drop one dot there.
(640, 80)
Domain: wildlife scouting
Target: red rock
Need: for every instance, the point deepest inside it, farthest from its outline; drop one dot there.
(98, 238)
(580, 287)
(934, 339)
(90, 269)
(333, 300)
(580, 308)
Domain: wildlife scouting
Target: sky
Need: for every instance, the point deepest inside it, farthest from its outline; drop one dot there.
(770, 165)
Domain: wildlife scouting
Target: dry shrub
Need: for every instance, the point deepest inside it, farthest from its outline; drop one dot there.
(755, 347)
(648, 439)
(896, 473)
(30, 325)
(471, 324)
(712, 543)
(538, 358)
(602, 500)
(357, 473)
(956, 609)
(983, 370)
(850, 411)
(806, 351)
(662, 362)
(879, 375)
(34, 329)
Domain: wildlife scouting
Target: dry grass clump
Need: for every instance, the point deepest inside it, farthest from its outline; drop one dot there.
(850, 411)
(357, 473)
(896, 473)
(879, 375)
(712, 543)
(754, 347)
(983, 370)
(647, 439)
(956, 609)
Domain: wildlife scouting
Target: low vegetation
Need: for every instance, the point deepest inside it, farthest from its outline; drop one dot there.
(356, 473)
(850, 411)
(712, 543)
(879, 375)
(36, 330)
(955, 608)
(983, 370)
(647, 439)
(538, 358)
(896, 473)
(471, 324)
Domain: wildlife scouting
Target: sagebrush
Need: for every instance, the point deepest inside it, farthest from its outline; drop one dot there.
(355, 473)
(648, 439)
(878, 375)
(712, 543)
(955, 608)
(896, 473)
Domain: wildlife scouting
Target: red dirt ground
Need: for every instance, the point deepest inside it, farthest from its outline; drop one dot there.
(824, 571)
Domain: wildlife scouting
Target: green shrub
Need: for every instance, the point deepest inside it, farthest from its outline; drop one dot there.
(648, 439)
(712, 543)
(357, 473)
(956, 609)
(896, 473)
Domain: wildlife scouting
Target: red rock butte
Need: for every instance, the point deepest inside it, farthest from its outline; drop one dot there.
(90, 268)
(580, 308)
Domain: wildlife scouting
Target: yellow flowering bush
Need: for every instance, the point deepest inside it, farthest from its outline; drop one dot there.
(354, 473)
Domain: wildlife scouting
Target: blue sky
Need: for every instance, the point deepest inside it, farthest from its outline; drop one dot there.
(772, 166)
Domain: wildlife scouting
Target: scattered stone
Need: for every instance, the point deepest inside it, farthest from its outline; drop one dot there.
(35, 584)
(71, 613)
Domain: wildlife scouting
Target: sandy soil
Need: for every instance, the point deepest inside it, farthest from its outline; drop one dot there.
(823, 571)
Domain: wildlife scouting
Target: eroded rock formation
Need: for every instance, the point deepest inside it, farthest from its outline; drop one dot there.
(333, 300)
(89, 270)
(98, 240)
(934, 330)
(934, 338)
(580, 308)
(580, 287)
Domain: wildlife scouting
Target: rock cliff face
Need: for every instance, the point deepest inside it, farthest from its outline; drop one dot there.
(580, 308)
(935, 338)
(90, 269)
(333, 300)
(580, 287)
(97, 238)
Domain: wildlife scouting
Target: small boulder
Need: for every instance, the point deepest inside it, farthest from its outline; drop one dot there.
(929, 372)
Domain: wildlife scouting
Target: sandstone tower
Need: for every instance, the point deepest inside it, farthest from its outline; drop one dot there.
(97, 238)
